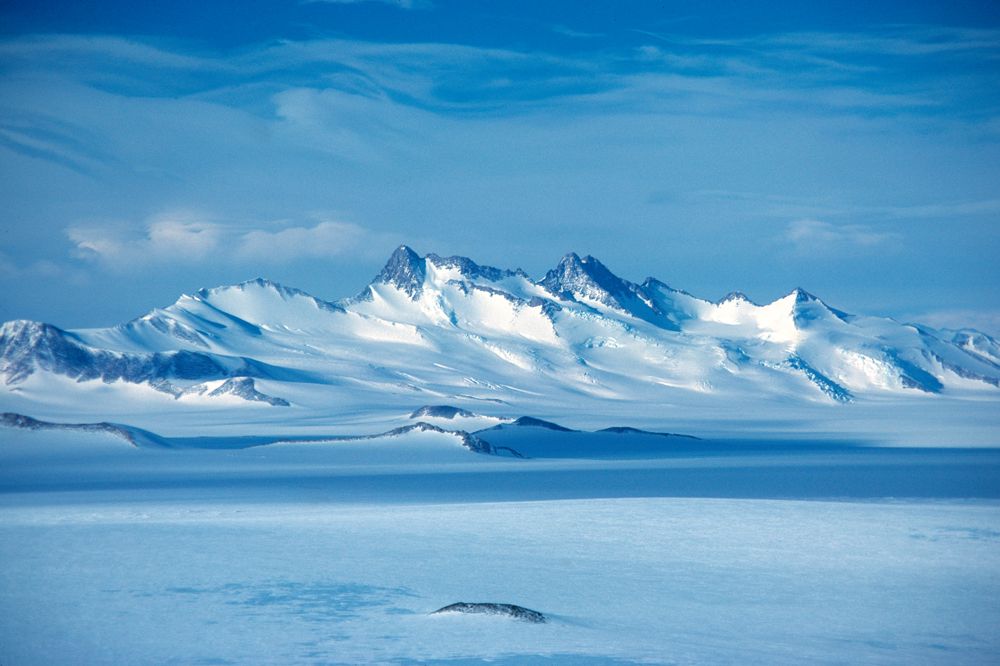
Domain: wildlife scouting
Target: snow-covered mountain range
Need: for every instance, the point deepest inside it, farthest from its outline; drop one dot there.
(431, 329)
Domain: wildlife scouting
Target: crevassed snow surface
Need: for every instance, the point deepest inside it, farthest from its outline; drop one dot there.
(336, 553)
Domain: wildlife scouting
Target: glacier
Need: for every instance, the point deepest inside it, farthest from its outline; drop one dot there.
(341, 551)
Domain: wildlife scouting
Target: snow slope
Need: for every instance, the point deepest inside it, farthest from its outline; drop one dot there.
(580, 345)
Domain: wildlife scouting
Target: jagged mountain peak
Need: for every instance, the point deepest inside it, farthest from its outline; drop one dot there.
(737, 296)
(651, 283)
(806, 307)
(588, 264)
(802, 296)
(570, 258)
(589, 281)
(405, 270)
(573, 277)
(585, 277)
(404, 251)
(471, 270)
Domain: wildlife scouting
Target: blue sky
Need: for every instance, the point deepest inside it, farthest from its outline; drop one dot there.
(152, 150)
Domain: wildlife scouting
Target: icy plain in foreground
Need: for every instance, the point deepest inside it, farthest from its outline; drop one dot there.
(317, 554)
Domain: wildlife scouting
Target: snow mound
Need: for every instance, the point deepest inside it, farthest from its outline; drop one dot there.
(441, 412)
(239, 387)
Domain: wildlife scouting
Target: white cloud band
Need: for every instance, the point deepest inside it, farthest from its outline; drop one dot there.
(183, 239)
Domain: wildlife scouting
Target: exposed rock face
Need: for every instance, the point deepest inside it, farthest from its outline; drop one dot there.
(139, 437)
(735, 296)
(628, 430)
(508, 610)
(471, 269)
(244, 387)
(405, 270)
(134, 436)
(28, 346)
(825, 384)
(540, 423)
(586, 277)
(474, 443)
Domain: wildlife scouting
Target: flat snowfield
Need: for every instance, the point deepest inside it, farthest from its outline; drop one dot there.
(147, 563)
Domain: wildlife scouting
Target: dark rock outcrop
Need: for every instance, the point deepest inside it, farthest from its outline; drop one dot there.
(539, 423)
(132, 435)
(405, 270)
(244, 387)
(628, 430)
(28, 346)
(506, 610)
(472, 442)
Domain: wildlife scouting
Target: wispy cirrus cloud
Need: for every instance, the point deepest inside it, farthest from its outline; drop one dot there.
(805, 208)
(901, 40)
(486, 147)
(891, 40)
(983, 319)
(810, 235)
(566, 31)
(444, 77)
(76, 52)
(402, 4)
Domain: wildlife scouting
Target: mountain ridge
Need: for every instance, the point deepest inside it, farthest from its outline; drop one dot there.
(446, 326)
